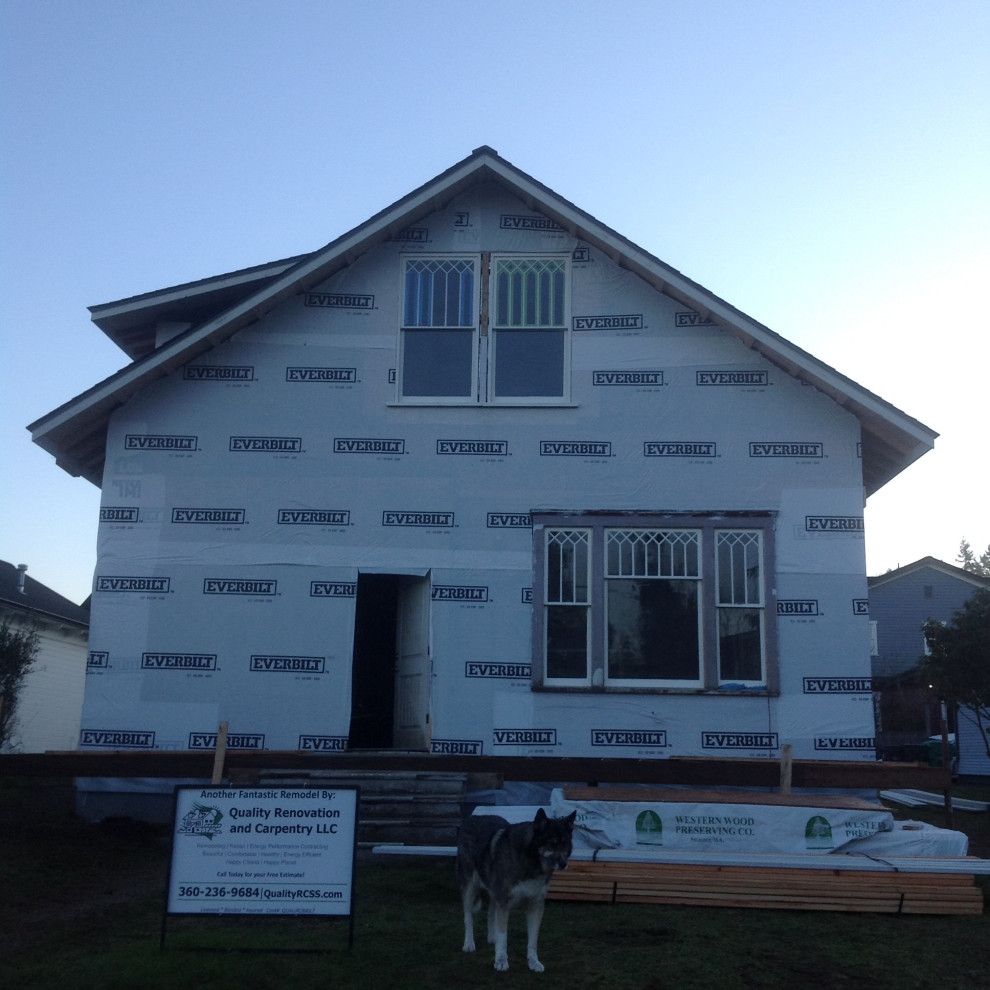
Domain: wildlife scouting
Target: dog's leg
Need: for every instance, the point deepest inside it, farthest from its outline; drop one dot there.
(534, 915)
(500, 916)
(469, 899)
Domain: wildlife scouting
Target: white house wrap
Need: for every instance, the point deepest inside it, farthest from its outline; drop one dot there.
(480, 477)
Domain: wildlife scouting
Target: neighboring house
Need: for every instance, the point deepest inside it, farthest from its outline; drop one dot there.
(901, 601)
(479, 477)
(49, 706)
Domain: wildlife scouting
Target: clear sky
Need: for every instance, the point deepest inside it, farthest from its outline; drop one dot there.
(823, 165)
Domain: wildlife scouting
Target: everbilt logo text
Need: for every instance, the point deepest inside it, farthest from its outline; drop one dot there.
(217, 373)
(314, 517)
(838, 685)
(323, 744)
(511, 221)
(731, 378)
(157, 441)
(226, 517)
(456, 747)
(628, 737)
(575, 448)
(486, 669)
(693, 320)
(739, 740)
(98, 658)
(439, 520)
(834, 524)
(119, 514)
(179, 661)
(491, 448)
(289, 665)
(525, 737)
(458, 593)
(332, 589)
(235, 740)
(414, 235)
(833, 743)
(795, 606)
(367, 445)
(627, 321)
(509, 520)
(679, 448)
(333, 375)
(239, 586)
(117, 738)
(156, 585)
(627, 378)
(340, 300)
(764, 449)
(266, 444)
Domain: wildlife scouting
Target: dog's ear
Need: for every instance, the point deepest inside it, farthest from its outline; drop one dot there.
(571, 817)
(541, 816)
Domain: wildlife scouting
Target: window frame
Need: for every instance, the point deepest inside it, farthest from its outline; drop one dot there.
(708, 525)
(485, 331)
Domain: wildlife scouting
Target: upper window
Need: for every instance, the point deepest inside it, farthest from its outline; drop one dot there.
(490, 329)
(625, 603)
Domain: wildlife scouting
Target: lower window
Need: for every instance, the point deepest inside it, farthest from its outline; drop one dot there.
(652, 602)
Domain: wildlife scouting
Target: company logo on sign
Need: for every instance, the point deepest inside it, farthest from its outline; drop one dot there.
(266, 444)
(764, 449)
(456, 747)
(441, 520)
(117, 738)
(323, 744)
(98, 658)
(239, 586)
(289, 665)
(834, 524)
(627, 378)
(333, 375)
(179, 661)
(797, 606)
(837, 685)
(525, 737)
(511, 221)
(119, 514)
(679, 448)
(628, 737)
(332, 589)
(575, 448)
(202, 820)
(314, 517)
(217, 373)
(833, 743)
(496, 448)
(509, 520)
(688, 319)
(367, 445)
(513, 671)
(235, 740)
(159, 441)
(731, 378)
(626, 321)
(340, 300)
(225, 517)
(156, 585)
(739, 740)
(458, 593)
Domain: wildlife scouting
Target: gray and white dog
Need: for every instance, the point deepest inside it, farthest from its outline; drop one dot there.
(512, 864)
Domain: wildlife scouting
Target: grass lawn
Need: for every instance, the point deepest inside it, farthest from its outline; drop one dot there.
(82, 908)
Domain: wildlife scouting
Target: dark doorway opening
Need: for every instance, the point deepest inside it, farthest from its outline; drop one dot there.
(373, 673)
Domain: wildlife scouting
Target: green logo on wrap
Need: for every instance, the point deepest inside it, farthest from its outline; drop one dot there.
(818, 833)
(649, 829)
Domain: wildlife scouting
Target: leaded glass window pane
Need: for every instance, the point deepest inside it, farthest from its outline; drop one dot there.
(439, 292)
(530, 292)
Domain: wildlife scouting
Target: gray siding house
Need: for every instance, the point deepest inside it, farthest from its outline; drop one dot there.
(481, 476)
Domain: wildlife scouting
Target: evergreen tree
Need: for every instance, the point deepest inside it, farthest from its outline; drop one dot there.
(18, 651)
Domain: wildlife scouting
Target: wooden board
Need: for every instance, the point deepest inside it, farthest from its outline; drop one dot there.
(679, 796)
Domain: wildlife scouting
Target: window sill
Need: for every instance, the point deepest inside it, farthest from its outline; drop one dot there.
(481, 405)
(761, 692)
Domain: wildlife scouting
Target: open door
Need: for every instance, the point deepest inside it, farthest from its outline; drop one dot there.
(390, 695)
(412, 668)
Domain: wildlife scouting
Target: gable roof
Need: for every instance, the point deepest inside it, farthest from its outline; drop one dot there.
(217, 308)
(933, 564)
(36, 599)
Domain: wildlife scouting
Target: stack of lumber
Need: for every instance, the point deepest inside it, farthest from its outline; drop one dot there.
(768, 887)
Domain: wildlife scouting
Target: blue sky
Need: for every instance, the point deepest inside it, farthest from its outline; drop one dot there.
(823, 166)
